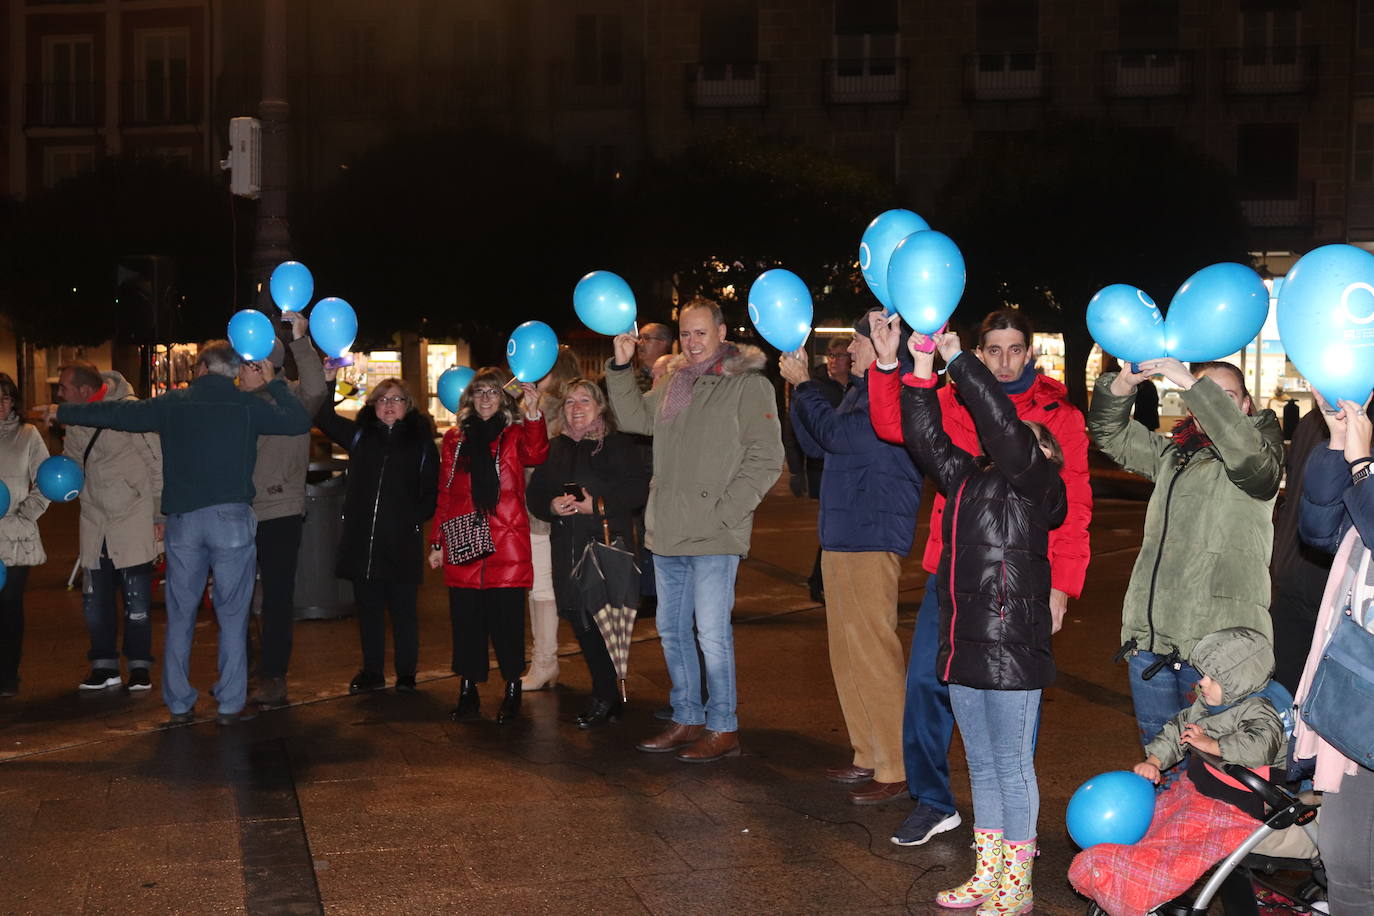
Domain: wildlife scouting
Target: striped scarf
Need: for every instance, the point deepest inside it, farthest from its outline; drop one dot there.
(683, 382)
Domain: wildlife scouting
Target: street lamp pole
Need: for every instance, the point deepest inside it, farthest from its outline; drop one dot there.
(273, 243)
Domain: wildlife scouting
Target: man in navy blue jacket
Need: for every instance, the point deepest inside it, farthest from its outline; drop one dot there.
(870, 492)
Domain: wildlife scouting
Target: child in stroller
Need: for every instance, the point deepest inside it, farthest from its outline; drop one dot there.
(1208, 813)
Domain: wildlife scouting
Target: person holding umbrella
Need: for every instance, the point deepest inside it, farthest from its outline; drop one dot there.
(588, 490)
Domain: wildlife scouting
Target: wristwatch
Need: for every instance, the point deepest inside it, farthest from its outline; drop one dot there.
(1357, 476)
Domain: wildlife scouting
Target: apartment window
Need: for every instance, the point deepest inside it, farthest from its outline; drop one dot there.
(163, 90)
(866, 37)
(63, 162)
(1147, 25)
(1008, 25)
(729, 32)
(598, 50)
(69, 92)
(1269, 34)
(1267, 161)
(1364, 151)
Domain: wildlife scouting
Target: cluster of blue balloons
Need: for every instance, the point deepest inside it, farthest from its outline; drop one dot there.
(59, 478)
(912, 269)
(333, 323)
(1115, 807)
(1326, 321)
(1216, 312)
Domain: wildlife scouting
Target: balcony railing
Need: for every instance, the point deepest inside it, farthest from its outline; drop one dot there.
(1279, 211)
(152, 102)
(865, 80)
(1147, 74)
(1007, 76)
(72, 104)
(743, 84)
(1277, 70)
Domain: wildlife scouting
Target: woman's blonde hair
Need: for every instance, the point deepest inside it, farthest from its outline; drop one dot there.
(497, 378)
(598, 397)
(385, 385)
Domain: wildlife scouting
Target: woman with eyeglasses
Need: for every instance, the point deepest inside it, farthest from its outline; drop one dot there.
(482, 484)
(593, 473)
(22, 450)
(393, 476)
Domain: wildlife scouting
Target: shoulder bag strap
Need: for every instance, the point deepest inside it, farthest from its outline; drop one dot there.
(90, 445)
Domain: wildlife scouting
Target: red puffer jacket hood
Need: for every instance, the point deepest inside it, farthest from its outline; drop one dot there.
(523, 445)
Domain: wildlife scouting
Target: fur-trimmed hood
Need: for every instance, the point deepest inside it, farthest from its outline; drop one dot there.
(747, 358)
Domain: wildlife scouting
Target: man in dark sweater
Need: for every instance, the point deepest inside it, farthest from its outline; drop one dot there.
(209, 433)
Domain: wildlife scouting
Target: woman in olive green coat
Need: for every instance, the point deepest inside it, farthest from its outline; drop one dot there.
(1204, 561)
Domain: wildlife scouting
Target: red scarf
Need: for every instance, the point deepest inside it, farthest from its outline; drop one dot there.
(1188, 437)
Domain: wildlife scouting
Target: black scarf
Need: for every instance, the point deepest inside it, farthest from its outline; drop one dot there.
(477, 459)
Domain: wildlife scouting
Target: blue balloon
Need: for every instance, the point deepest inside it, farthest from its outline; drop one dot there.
(333, 325)
(251, 334)
(780, 308)
(4, 499)
(1116, 807)
(1326, 321)
(452, 383)
(925, 277)
(292, 285)
(1126, 323)
(880, 239)
(60, 479)
(605, 303)
(1216, 312)
(531, 351)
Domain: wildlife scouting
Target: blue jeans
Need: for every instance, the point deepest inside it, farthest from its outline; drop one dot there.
(927, 721)
(700, 591)
(1161, 697)
(218, 539)
(998, 728)
(99, 605)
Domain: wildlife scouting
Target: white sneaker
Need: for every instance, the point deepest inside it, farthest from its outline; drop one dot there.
(100, 678)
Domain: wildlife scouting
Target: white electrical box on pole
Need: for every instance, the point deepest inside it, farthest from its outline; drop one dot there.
(245, 157)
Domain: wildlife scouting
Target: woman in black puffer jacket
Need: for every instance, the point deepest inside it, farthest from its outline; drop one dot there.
(995, 621)
(393, 481)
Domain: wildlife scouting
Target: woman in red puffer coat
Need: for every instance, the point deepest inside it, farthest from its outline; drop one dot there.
(482, 476)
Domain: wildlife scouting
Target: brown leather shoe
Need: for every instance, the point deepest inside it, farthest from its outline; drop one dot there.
(849, 774)
(710, 746)
(875, 793)
(671, 738)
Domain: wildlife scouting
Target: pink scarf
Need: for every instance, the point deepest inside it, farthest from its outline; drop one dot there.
(593, 430)
(683, 382)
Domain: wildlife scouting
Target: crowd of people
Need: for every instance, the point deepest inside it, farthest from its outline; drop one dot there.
(670, 453)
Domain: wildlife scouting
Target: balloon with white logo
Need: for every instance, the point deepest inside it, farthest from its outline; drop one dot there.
(60, 479)
(1326, 321)
(531, 351)
(879, 240)
(1216, 312)
(780, 309)
(1126, 323)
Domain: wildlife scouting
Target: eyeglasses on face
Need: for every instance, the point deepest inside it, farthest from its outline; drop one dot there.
(485, 393)
(392, 399)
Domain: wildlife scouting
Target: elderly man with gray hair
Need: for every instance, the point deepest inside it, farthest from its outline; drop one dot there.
(209, 433)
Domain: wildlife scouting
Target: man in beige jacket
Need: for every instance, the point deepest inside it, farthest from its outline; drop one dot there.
(120, 529)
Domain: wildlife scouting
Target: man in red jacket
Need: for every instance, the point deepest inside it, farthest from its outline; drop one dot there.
(1004, 346)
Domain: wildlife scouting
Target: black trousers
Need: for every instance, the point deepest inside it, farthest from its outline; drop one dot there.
(374, 598)
(604, 686)
(481, 614)
(12, 623)
(279, 544)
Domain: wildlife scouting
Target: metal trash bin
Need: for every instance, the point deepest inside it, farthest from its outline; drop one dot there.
(319, 594)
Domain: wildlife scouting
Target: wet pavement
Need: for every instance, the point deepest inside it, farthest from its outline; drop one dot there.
(380, 804)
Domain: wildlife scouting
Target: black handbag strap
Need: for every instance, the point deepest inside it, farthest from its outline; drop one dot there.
(90, 445)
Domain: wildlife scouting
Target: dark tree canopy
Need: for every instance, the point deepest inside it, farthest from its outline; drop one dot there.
(1047, 220)
(64, 244)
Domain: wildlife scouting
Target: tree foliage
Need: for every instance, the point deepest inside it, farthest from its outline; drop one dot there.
(1047, 220)
(63, 245)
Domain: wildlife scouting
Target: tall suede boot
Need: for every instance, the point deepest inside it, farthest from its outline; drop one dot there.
(1013, 896)
(987, 874)
(544, 625)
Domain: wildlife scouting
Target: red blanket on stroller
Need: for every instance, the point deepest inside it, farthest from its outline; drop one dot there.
(1188, 835)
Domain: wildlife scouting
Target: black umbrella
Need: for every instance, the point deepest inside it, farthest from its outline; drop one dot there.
(607, 579)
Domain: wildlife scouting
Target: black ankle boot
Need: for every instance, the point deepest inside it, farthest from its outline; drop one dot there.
(511, 704)
(469, 704)
(599, 712)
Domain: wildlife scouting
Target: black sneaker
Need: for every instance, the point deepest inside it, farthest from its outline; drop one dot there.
(405, 683)
(365, 681)
(923, 823)
(139, 679)
(9, 688)
(100, 678)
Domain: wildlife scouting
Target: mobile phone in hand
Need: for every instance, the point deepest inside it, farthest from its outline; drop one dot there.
(573, 490)
(338, 362)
